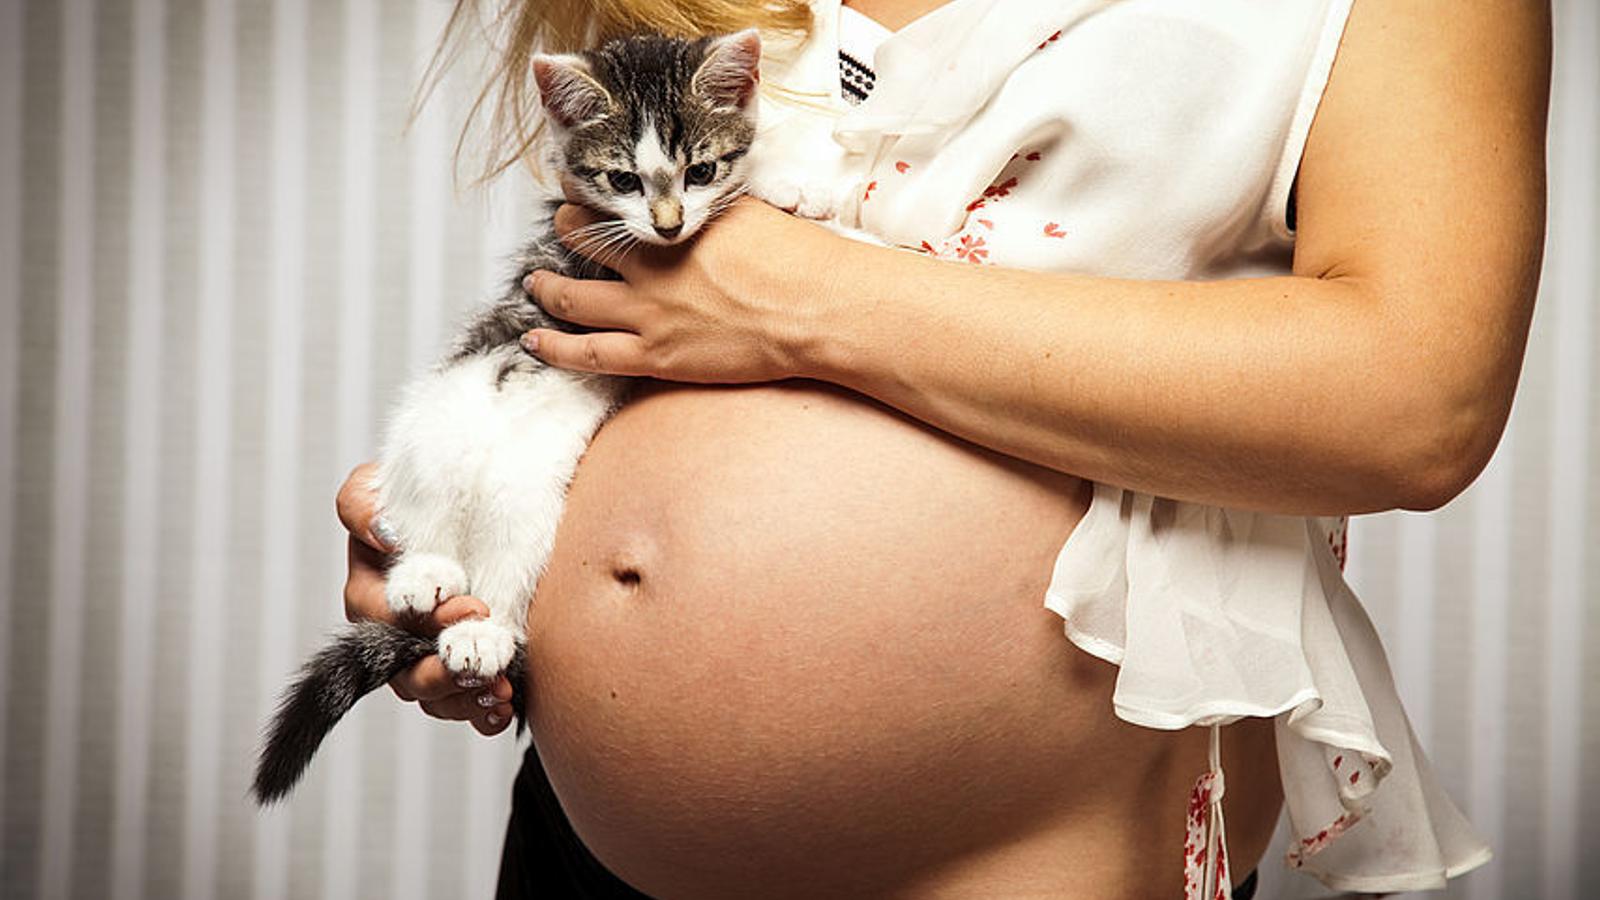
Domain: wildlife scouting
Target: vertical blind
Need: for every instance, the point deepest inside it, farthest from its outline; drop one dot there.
(222, 248)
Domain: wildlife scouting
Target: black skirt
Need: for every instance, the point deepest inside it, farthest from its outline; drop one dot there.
(543, 857)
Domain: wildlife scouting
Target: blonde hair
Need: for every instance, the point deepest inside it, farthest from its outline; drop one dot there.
(514, 30)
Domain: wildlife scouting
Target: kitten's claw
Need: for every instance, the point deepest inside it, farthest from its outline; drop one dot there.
(421, 581)
(477, 647)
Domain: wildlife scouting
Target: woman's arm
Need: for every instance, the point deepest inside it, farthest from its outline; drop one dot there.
(1378, 375)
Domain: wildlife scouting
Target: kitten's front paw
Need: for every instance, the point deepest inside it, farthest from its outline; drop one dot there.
(421, 581)
(477, 647)
(819, 200)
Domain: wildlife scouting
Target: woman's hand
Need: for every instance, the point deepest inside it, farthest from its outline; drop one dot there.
(427, 682)
(709, 310)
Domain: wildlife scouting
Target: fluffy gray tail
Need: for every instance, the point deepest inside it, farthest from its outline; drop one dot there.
(361, 658)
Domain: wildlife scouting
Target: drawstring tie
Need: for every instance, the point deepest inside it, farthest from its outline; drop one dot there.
(1205, 852)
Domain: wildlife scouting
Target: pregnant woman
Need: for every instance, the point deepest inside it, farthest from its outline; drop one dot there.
(966, 566)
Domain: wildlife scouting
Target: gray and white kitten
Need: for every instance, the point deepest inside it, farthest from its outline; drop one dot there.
(650, 131)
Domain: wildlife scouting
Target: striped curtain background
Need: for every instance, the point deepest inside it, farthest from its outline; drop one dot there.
(219, 255)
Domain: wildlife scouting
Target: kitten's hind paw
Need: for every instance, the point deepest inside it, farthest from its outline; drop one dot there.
(421, 581)
(477, 647)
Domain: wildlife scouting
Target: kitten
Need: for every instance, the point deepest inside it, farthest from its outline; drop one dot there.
(654, 133)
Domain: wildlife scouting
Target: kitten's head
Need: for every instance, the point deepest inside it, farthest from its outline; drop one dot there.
(653, 131)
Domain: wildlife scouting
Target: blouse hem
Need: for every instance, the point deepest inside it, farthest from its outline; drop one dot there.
(1431, 880)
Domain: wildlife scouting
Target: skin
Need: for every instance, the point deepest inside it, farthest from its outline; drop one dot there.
(1377, 375)
(893, 14)
(823, 640)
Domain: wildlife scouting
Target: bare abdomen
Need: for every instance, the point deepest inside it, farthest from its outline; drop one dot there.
(792, 643)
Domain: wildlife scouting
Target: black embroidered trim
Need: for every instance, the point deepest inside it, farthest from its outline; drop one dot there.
(855, 77)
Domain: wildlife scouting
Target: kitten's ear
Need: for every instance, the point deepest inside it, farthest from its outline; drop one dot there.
(568, 90)
(732, 69)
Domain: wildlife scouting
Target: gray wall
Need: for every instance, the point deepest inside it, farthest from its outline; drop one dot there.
(217, 259)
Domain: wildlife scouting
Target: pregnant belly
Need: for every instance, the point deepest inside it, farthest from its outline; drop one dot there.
(792, 642)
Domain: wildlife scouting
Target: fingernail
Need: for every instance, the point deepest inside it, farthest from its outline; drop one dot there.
(530, 342)
(527, 282)
(493, 719)
(486, 699)
(384, 533)
(469, 681)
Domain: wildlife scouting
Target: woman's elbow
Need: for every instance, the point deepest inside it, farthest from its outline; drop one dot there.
(1439, 413)
(1434, 458)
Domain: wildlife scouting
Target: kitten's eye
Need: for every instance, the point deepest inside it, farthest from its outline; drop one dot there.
(624, 182)
(699, 174)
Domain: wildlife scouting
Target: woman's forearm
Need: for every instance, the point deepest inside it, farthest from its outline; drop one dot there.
(1378, 376)
(1290, 394)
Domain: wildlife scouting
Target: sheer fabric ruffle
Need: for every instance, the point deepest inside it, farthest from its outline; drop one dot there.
(1216, 614)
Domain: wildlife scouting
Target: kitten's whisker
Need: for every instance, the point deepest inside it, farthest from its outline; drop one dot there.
(615, 249)
(597, 247)
(721, 204)
(600, 227)
(589, 243)
(595, 228)
(597, 250)
(626, 248)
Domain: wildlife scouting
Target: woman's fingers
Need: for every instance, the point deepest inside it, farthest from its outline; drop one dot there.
(366, 600)
(429, 679)
(461, 706)
(451, 611)
(493, 722)
(606, 352)
(498, 716)
(592, 302)
(357, 504)
(363, 584)
(597, 304)
(488, 708)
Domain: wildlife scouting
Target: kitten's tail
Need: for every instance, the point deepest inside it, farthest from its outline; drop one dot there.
(361, 658)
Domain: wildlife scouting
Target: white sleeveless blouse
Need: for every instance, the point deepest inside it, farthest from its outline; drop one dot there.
(1153, 139)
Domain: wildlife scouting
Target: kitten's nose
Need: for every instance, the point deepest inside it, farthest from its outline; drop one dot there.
(666, 214)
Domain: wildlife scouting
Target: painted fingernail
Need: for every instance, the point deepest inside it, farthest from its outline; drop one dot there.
(469, 681)
(384, 533)
(493, 719)
(530, 342)
(486, 699)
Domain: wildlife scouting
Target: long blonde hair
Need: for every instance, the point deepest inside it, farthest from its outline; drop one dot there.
(515, 29)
